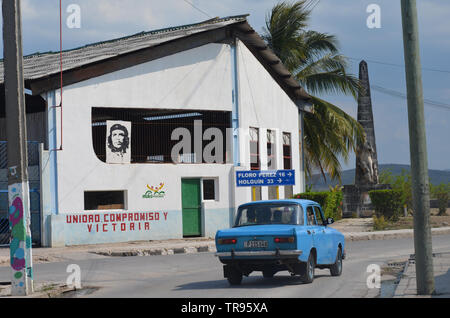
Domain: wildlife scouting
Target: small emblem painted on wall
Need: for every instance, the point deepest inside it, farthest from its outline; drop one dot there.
(154, 192)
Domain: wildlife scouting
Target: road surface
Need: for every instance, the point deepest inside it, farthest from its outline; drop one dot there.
(200, 275)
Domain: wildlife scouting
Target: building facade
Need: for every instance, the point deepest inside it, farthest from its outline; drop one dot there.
(195, 104)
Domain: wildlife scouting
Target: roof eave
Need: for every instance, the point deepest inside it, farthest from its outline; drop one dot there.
(273, 65)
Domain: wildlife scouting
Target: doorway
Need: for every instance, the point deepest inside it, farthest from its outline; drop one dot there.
(191, 207)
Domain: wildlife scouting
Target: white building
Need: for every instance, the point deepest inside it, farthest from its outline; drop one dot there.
(213, 80)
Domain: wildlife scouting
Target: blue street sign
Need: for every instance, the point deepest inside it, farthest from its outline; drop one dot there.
(257, 178)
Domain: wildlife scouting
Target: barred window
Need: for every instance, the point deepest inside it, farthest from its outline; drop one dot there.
(287, 151)
(271, 155)
(151, 132)
(254, 149)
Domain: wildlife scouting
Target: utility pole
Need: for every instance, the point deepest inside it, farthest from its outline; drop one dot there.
(418, 151)
(18, 191)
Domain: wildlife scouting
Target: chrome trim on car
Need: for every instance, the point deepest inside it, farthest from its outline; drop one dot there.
(260, 253)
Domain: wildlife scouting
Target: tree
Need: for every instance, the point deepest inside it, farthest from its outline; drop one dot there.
(314, 60)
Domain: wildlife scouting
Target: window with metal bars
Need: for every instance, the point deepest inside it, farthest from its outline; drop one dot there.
(255, 163)
(151, 132)
(287, 151)
(271, 161)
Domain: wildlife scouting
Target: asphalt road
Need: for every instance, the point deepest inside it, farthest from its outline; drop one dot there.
(200, 275)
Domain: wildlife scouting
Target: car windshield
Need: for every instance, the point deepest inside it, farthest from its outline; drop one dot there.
(279, 213)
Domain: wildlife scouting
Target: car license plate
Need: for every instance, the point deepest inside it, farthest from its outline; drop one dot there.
(255, 244)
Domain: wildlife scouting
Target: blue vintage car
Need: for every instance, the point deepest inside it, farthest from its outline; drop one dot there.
(278, 235)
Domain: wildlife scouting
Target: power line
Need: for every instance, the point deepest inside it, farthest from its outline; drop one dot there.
(198, 9)
(398, 65)
(397, 94)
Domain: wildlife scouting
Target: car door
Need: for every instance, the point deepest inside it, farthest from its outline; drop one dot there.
(320, 238)
(312, 229)
(326, 236)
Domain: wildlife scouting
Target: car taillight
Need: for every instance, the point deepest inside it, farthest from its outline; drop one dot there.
(289, 239)
(227, 241)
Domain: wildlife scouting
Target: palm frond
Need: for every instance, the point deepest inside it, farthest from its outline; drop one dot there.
(313, 57)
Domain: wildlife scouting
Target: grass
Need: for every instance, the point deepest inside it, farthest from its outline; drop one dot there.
(48, 288)
(408, 222)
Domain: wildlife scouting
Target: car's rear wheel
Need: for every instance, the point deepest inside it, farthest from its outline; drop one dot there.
(307, 276)
(268, 273)
(234, 276)
(336, 268)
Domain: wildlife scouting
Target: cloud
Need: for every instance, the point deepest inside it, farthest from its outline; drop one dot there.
(109, 19)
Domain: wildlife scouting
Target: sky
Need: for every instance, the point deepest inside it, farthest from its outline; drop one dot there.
(381, 47)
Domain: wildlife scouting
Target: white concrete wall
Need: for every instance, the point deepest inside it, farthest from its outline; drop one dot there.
(265, 105)
(197, 79)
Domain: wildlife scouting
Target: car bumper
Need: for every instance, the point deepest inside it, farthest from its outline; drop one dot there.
(277, 253)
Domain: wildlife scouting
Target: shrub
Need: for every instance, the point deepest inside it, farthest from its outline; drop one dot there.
(379, 223)
(319, 197)
(402, 183)
(387, 203)
(330, 201)
(333, 205)
(442, 194)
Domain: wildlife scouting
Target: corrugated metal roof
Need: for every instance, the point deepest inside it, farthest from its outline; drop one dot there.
(37, 66)
(45, 66)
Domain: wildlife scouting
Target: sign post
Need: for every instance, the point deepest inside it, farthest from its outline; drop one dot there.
(18, 192)
(418, 151)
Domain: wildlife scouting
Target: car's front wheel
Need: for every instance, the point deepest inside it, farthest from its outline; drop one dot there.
(336, 268)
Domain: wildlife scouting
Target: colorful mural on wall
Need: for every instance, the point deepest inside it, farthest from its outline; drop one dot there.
(20, 246)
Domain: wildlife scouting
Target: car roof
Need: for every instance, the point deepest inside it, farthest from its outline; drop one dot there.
(302, 202)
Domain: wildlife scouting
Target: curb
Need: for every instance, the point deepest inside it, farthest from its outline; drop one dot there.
(159, 251)
(387, 235)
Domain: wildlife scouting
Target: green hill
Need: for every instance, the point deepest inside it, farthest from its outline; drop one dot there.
(348, 176)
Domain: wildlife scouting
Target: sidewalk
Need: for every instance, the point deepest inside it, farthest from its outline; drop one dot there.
(407, 287)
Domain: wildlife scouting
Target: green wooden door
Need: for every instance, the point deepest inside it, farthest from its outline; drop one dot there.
(191, 207)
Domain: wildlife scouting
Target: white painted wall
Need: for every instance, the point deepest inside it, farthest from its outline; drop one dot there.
(197, 79)
(265, 105)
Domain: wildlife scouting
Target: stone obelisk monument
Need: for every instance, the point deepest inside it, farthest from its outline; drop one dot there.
(356, 197)
(366, 158)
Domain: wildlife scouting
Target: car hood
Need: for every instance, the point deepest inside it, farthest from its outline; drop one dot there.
(272, 229)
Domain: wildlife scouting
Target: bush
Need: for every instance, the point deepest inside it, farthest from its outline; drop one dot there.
(402, 183)
(319, 197)
(387, 203)
(442, 194)
(379, 223)
(333, 206)
(330, 201)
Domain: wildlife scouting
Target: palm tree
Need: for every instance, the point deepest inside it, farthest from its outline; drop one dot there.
(314, 60)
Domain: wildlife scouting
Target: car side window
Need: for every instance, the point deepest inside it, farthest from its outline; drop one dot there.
(310, 215)
(319, 216)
